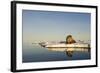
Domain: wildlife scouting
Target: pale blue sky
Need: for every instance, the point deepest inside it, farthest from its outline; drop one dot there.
(55, 26)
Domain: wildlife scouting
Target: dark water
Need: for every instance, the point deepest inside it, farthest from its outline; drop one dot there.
(36, 53)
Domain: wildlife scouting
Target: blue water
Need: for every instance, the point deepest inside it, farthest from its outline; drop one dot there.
(36, 53)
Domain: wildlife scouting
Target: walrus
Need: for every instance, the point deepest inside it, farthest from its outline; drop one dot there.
(70, 40)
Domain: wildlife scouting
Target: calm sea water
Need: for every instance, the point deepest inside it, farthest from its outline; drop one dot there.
(36, 53)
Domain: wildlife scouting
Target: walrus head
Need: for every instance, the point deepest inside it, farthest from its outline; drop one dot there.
(70, 40)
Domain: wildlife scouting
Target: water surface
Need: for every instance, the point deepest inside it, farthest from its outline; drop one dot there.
(36, 53)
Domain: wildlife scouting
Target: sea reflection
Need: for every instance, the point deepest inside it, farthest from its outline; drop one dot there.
(69, 51)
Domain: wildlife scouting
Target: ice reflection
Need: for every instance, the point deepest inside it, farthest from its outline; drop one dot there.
(69, 51)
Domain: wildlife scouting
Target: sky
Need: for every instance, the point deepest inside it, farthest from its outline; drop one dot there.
(39, 26)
